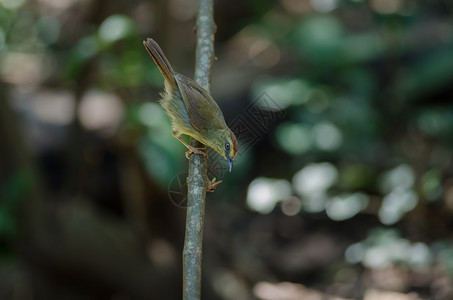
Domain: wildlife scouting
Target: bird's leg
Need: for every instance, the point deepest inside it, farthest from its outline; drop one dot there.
(212, 186)
(191, 148)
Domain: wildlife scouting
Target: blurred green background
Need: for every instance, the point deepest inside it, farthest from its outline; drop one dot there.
(343, 186)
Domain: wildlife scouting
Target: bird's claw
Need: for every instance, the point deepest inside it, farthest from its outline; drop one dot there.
(193, 150)
(212, 186)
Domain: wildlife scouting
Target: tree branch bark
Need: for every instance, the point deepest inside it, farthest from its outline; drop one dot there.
(197, 180)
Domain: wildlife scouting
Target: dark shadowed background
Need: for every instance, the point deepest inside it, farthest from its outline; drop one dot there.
(343, 186)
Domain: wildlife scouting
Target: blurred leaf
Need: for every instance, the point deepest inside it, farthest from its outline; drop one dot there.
(132, 71)
(360, 82)
(12, 191)
(84, 50)
(431, 73)
(445, 251)
(432, 185)
(126, 70)
(356, 176)
(320, 39)
(7, 224)
(361, 47)
(436, 121)
(48, 29)
(5, 18)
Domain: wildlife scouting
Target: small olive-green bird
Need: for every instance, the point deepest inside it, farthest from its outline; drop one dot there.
(192, 110)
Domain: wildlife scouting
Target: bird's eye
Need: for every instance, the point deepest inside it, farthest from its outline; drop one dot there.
(227, 146)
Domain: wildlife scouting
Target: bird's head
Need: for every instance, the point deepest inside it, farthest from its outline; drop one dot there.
(226, 144)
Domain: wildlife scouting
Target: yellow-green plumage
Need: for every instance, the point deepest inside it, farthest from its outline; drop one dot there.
(192, 110)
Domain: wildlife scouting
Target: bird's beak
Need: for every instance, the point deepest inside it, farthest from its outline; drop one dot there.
(229, 160)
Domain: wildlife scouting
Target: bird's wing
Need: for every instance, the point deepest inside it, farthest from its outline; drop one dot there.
(203, 111)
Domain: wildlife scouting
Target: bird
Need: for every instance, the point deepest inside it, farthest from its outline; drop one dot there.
(192, 110)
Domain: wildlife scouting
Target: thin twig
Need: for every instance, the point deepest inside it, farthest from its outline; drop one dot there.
(197, 179)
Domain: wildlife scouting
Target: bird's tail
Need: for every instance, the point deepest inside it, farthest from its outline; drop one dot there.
(161, 60)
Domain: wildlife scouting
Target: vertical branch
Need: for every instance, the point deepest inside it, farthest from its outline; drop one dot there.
(205, 43)
(197, 179)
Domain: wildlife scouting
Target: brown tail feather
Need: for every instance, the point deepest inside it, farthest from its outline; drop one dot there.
(160, 59)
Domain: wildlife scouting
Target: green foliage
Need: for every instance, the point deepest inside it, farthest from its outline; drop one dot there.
(12, 192)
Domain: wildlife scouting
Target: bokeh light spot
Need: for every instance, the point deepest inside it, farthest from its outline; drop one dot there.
(12, 4)
(389, 250)
(264, 53)
(396, 204)
(318, 102)
(161, 252)
(30, 71)
(291, 206)
(294, 138)
(87, 47)
(401, 176)
(57, 6)
(49, 29)
(2, 40)
(284, 291)
(315, 178)
(264, 193)
(115, 28)
(327, 136)
(283, 91)
(346, 206)
(228, 284)
(385, 6)
(384, 248)
(54, 107)
(152, 114)
(100, 110)
(314, 203)
(420, 255)
(355, 253)
(323, 6)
